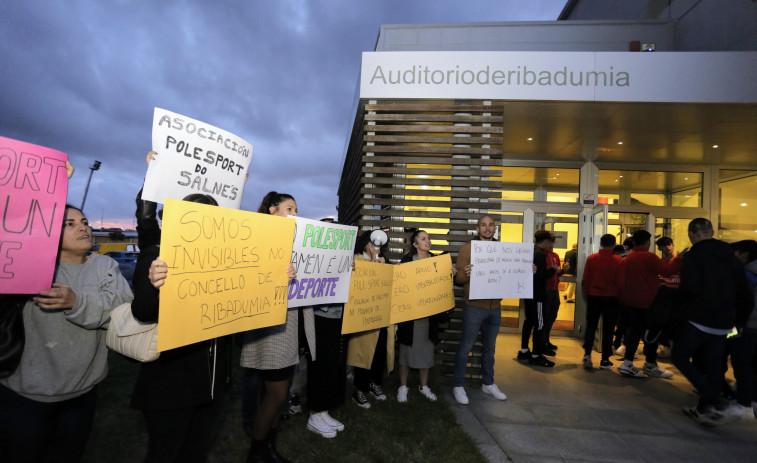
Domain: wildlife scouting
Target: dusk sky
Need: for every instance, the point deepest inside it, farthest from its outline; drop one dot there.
(84, 77)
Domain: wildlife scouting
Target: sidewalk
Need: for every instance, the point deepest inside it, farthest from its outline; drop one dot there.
(568, 414)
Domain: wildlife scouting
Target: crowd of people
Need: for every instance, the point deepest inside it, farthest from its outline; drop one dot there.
(691, 301)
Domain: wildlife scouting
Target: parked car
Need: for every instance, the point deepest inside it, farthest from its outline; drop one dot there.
(123, 257)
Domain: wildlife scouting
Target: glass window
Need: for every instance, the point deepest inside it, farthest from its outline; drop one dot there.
(651, 188)
(539, 184)
(738, 205)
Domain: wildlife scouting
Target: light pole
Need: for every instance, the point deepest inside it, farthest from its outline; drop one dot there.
(92, 168)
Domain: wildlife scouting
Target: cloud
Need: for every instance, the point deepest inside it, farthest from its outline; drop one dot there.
(83, 77)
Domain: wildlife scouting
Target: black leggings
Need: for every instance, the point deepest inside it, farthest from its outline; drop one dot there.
(376, 374)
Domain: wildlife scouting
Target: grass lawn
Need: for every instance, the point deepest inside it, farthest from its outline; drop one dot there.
(417, 431)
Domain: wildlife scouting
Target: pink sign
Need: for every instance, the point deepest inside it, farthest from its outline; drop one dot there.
(33, 189)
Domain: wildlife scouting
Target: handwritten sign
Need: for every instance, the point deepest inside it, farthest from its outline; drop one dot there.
(501, 270)
(226, 272)
(322, 255)
(195, 157)
(422, 288)
(370, 302)
(33, 189)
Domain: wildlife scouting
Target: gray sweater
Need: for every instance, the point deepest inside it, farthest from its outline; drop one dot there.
(65, 354)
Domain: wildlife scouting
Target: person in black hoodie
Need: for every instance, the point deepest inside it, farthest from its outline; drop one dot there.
(534, 307)
(179, 393)
(716, 298)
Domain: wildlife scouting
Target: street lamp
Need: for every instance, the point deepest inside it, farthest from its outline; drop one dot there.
(92, 168)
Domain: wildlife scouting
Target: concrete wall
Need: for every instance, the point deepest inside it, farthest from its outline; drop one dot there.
(526, 36)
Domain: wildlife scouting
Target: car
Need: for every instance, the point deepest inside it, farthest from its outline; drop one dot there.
(123, 257)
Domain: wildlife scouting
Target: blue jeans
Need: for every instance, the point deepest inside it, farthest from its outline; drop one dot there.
(475, 319)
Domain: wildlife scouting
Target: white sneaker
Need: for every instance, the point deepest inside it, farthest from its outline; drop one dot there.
(334, 423)
(460, 396)
(741, 412)
(652, 369)
(630, 370)
(494, 391)
(318, 425)
(402, 394)
(424, 390)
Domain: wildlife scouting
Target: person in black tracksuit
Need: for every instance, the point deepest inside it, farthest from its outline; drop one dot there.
(534, 307)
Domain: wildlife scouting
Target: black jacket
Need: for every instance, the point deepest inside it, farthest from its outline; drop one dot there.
(714, 287)
(543, 273)
(181, 377)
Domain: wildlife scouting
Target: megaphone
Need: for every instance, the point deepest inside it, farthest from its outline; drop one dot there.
(378, 239)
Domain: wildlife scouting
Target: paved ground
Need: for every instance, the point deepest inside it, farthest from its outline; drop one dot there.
(568, 414)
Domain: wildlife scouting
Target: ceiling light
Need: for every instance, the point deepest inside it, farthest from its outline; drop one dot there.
(620, 142)
(743, 204)
(621, 176)
(686, 178)
(530, 139)
(715, 146)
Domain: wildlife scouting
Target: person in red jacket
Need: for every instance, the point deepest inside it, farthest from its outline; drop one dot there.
(600, 290)
(639, 277)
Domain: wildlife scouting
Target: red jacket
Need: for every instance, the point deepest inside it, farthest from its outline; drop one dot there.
(601, 274)
(553, 282)
(639, 276)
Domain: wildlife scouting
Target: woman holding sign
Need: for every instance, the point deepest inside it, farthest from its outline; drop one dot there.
(47, 406)
(180, 393)
(370, 351)
(418, 337)
(273, 352)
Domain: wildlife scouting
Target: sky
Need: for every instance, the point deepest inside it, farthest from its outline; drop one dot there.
(84, 77)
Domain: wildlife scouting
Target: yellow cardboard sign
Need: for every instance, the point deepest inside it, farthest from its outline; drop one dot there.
(422, 288)
(370, 304)
(226, 272)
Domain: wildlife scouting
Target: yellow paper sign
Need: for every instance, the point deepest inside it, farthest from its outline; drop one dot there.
(422, 288)
(369, 305)
(226, 272)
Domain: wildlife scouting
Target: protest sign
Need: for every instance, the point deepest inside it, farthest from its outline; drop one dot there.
(370, 302)
(226, 272)
(501, 270)
(33, 189)
(195, 157)
(422, 288)
(322, 255)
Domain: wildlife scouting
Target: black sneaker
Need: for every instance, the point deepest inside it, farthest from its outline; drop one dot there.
(550, 352)
(295, 405)
(376, 391)
(360, 399)
(541, 361)
(524, 355)
(605, 365)
(551, 346)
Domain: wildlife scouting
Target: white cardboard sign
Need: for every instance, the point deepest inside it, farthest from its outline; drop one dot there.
(501, 270)
(322, 255)
(195, 157)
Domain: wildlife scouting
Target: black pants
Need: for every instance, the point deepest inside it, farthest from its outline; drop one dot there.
(327, 373)
(32, 431)
(181, 435)
(708, 383)
(607, 308)
(622, 326)
(636, 328)
(376, 374)
(534, 322)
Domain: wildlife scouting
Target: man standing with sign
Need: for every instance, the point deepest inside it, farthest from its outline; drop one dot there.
(478, 315)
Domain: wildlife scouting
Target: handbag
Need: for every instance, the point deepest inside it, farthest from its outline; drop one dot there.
(131, 337)
(12, 335)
